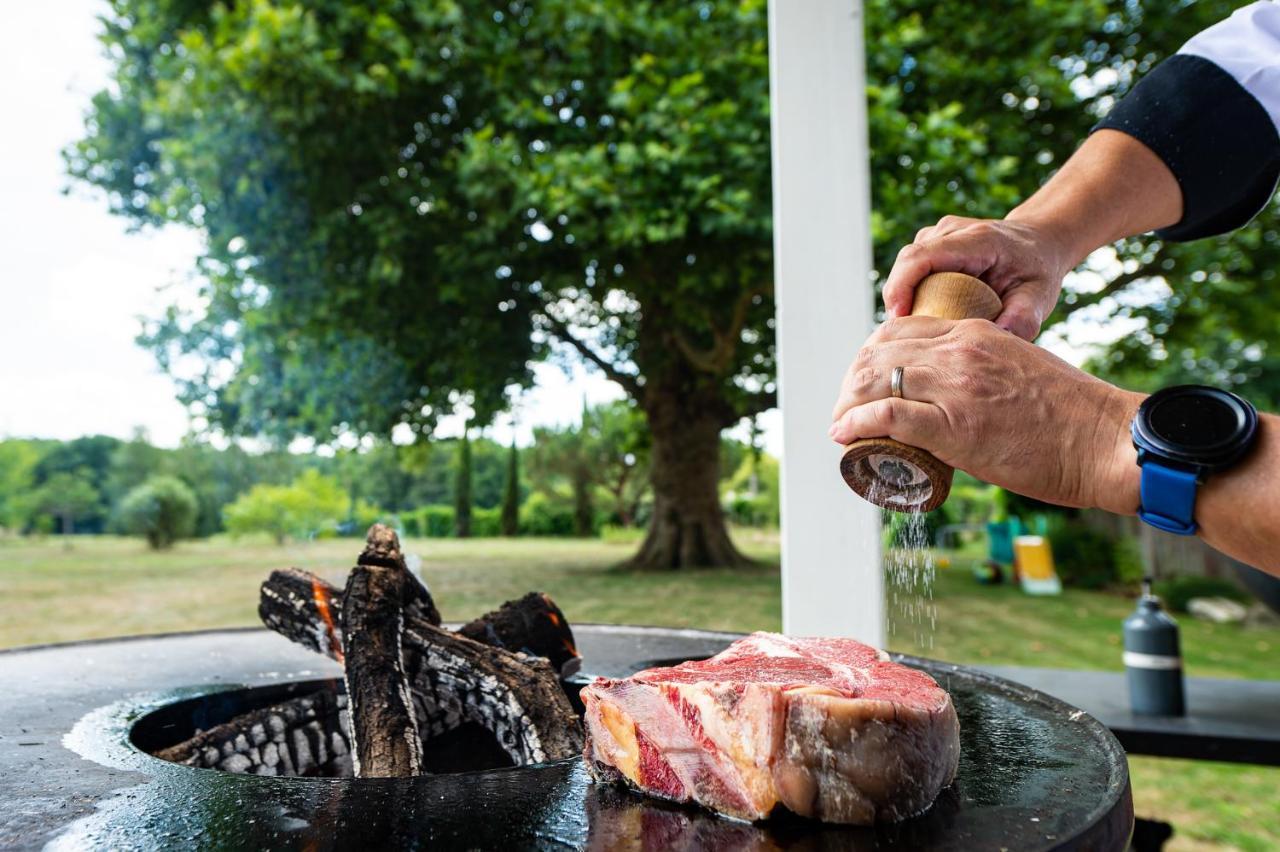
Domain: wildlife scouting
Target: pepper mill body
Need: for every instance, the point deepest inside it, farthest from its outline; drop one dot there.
(894, 475)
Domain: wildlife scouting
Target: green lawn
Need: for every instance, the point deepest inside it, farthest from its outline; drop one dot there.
(107, 586)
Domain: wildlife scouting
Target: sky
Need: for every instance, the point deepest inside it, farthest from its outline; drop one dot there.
(74, 283)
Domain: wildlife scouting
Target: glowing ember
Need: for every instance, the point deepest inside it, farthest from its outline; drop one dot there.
(320, 595)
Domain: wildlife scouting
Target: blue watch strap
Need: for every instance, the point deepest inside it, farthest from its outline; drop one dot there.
(1168, 498)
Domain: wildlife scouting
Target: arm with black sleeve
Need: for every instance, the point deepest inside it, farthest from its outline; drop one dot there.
(1211, 113)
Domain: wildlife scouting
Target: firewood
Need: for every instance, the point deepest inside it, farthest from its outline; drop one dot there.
(308, 610)
(516, 696)
(438, 680)
(384, 730)
(300, 736)
(533, 624)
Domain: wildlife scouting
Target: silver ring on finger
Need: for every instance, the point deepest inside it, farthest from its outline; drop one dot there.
(895, 382)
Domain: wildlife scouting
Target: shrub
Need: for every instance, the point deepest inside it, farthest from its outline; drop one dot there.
(486, 523)
(1177, 592)
(432, 521)
(615, 534)
(758, 511)
(311, 503)
(1082, 556)
(1129, 568)
(540, 515)
(163, 509)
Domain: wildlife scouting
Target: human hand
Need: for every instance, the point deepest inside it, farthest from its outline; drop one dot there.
(1005, 410)
(1022, 261)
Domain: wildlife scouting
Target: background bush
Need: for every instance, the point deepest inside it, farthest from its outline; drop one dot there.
(163, 509)
(1178, 591)
(1082, 556)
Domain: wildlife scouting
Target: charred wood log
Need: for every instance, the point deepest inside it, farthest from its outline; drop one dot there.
(516, 696)
(306, 609)
(534, 625)
(384, 729)
(498, 692)
(382, 548)
(410, 680)
(301, 736)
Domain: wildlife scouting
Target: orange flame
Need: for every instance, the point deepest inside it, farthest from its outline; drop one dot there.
(321, 596)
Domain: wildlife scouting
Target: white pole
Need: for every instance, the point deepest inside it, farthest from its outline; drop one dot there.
(832, 581)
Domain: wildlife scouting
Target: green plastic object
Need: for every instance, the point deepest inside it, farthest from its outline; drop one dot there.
(1000, 536)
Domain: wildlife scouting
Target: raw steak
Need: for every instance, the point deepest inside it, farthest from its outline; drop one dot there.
(829, 728)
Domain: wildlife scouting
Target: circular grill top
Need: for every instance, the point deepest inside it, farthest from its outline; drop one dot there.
(1034, 772)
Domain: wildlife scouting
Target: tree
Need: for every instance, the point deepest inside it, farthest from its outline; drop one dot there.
(163, 509)
(131, 464)
(604, 451)
(578, 176)
(301, 509)
(511, 493)
(68, 495)
(462, 488)
(85, 460)
(18, 460)
(401, 170)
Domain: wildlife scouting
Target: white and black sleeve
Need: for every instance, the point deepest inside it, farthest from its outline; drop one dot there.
(1211, 112)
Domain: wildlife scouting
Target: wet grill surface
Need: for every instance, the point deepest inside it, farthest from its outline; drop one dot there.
(1034, 773)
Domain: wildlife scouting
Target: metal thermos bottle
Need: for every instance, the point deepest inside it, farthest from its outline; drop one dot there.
(1153, 659)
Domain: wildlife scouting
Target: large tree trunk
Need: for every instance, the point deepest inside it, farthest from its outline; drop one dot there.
(687, 529)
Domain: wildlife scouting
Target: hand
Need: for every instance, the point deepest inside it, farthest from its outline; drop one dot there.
(1020, 260)
(1005, 410)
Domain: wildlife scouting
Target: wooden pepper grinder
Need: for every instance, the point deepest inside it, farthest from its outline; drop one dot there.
(889, 473)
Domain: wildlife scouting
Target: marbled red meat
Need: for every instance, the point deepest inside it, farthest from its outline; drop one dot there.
(828, 728)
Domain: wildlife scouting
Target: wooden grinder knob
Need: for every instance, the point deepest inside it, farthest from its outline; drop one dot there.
(889, 473)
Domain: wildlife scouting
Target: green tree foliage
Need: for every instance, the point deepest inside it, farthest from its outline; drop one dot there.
(462, 488)
(528, 176)
(131, 464)
(606, 451)
(162, 509)
(971, 119)
(310, 504)
(86, 459)
(385, 184)
(18, 460)
(511, 494)
(68, 496)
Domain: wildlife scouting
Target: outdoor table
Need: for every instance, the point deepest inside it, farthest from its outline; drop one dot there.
(1228, 720)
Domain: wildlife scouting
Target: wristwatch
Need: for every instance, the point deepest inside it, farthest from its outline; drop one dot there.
(1183, 434)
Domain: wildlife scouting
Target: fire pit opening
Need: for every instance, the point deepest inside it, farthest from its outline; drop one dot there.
(299, 730)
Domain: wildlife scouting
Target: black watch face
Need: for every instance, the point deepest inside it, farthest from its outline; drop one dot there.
(1205, 428)
(1195, 422)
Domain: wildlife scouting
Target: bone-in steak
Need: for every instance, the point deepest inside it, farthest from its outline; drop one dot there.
(828, 728)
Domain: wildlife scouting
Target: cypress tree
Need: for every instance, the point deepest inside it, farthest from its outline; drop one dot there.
(511, 493)
(462, 488)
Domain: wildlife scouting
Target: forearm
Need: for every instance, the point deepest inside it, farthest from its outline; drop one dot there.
(1238, 510)
(1112, 187)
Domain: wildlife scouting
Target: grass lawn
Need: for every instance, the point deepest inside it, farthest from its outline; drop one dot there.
(107, 586)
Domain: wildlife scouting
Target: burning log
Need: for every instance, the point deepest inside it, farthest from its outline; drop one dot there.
(533, 624)
(301, 736)
(306, 609)
(384, 730)
(412, 681)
